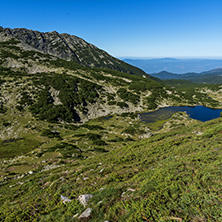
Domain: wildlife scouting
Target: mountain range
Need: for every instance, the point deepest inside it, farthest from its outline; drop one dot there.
(179, 66)
(213, 76)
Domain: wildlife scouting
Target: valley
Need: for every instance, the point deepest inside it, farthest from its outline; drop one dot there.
(69, 128)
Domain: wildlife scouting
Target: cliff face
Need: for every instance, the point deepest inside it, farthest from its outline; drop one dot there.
(68, 47)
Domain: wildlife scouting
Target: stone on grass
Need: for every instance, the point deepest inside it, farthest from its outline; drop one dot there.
(130, 189)
(85, 214)
(65, 199)
(84, 199)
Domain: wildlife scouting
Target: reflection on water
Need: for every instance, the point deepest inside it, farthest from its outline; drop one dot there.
(197, 112)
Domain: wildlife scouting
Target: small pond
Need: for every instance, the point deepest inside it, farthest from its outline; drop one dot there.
(201, 113)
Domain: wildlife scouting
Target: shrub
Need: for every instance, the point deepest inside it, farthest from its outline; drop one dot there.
(128, 96)
(50, 134)
(122, 105)
(99, 142)
(2, 109)
(130, 130)
(111, 103)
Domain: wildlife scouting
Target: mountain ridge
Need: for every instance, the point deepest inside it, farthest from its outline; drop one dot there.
(68, 47)
(213, 76)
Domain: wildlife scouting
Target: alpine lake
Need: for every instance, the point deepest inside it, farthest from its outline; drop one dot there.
(200, 113)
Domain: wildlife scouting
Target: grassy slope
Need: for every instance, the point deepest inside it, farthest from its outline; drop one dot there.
(174, 176)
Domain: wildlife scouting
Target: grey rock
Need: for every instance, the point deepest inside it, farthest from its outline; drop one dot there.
(86, 213)
(65, 199)
(146, 135)
(84, 199)
(62, 178)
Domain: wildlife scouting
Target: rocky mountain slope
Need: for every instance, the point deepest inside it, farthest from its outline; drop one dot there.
(68, 47)
(58, 90)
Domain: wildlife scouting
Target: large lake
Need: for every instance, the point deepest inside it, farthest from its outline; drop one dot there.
(197, 112)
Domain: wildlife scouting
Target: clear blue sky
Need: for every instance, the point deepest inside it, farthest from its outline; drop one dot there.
(127, 28)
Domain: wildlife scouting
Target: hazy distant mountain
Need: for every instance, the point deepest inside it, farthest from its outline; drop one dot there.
(213, 76)
(179, 66)
(68, 47)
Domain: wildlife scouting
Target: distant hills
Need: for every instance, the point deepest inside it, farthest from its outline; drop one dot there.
(213, 76)
(67, 47)
(172, 65)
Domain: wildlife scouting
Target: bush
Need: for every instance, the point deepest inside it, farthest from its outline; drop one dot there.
(122, 105)
(101, 150)
(130, 130)
(19, 108)
(128, 96)
(111, 103)
(93, 127)
(50, 134)
(99, 142)
(5, 124)
(2, 109)
(67, 150)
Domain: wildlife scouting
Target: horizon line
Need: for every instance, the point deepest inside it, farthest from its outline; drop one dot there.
(176, 57)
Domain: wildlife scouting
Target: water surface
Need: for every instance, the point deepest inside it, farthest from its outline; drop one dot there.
(201, 113)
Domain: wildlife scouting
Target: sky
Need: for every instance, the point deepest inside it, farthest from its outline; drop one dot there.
(127, 28)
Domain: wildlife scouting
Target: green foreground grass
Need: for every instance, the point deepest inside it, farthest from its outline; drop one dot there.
(172, 176)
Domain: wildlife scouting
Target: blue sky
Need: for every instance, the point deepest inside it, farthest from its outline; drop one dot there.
(127, 28)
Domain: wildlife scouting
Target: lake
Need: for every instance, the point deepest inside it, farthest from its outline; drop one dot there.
(201, 113)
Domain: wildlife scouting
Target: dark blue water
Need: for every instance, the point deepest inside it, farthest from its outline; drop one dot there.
(197, 112)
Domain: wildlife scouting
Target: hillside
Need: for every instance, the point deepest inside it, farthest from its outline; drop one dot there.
(55, 90)
(173, 176)
(68, 130)
(67, 47)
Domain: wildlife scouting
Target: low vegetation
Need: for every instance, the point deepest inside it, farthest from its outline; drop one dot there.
(170, 176)
(71, 130)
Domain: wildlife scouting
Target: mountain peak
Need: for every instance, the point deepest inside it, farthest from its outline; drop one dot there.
(69, 47)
